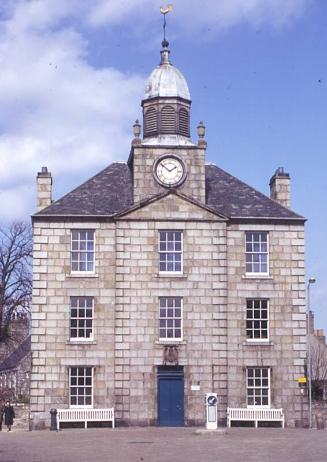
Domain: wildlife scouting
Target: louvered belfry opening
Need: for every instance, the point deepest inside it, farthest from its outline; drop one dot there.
(183, 122)
(150, 122)
(168, 117)
(168, 120)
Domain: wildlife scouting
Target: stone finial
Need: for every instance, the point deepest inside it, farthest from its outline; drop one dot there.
(44, 189)
(201, 130)
(280, 187)
(136, 132)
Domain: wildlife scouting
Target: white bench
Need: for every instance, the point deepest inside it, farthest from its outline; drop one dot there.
(255, 415)
(85, 415)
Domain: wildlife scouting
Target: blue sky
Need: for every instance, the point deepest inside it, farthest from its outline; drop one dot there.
(73, 74)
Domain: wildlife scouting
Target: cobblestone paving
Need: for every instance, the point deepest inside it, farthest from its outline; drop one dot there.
(164, 444)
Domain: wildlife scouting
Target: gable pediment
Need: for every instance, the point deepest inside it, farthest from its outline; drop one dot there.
(171, 206)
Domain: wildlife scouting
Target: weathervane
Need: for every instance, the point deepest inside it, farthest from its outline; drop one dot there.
(164, 11)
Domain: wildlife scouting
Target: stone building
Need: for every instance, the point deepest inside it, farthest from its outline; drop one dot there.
(318, 354)
(15, 373)
(15, 360)
(163, 278)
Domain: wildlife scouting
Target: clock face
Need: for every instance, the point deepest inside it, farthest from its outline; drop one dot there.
(170, 171)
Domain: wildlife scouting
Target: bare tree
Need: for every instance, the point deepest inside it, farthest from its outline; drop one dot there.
(15, 274)
(318, 350)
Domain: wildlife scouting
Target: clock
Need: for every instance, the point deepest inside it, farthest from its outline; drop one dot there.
(170, 171)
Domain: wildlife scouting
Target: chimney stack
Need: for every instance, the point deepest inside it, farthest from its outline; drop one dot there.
(320, 334)
(280, 187)
(311, 323)
(44, 189)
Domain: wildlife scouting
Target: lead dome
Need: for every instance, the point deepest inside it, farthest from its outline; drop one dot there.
(166, 103)
(166, 81)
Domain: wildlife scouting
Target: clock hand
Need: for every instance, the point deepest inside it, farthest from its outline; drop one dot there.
(171, 169)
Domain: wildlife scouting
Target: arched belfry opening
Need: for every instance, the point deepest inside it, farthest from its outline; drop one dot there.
(167, 102)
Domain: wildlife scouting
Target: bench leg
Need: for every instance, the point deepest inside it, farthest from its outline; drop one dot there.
(256, 423)
(85, 424)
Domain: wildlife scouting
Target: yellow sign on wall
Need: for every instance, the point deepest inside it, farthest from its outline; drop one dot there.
(302, 380)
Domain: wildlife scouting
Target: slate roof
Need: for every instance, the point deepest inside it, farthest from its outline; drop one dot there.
(111, 192)
(107, 193)
(13, 360)
(236, 199)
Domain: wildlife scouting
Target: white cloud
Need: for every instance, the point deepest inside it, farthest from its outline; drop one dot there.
(198, 15)
(56, 110)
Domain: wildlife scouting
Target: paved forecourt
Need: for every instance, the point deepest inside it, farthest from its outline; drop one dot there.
(164, 444)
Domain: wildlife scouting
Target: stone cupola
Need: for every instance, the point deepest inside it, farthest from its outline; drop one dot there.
(166, 103)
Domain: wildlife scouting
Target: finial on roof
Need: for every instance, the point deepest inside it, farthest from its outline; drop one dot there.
(165, 44)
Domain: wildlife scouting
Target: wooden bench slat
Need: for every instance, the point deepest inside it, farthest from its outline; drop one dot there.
(255, 414)
(85, 415)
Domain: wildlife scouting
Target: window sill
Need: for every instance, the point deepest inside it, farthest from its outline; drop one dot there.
(87, 406)
(259, 406)
(256, 276)
(80, 342)
(170, 342)
(258, 343)
(82, 275)
(171, 275)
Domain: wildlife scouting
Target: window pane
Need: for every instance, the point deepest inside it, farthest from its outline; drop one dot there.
(82, 250)
(170, 251)
(256, 249)
(258, 390)
(80, 317)
(170, 321)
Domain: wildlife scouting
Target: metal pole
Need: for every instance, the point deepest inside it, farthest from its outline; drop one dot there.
(309, 365)
(309, 358)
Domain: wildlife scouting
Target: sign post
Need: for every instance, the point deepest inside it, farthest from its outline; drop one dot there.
(211, 411)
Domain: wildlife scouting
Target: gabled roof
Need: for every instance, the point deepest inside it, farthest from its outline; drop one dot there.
(12, 362)
(110, 193)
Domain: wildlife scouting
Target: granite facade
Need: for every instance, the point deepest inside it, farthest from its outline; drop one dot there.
(126, 287)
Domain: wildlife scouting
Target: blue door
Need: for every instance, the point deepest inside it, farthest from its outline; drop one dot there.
(170, 396)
